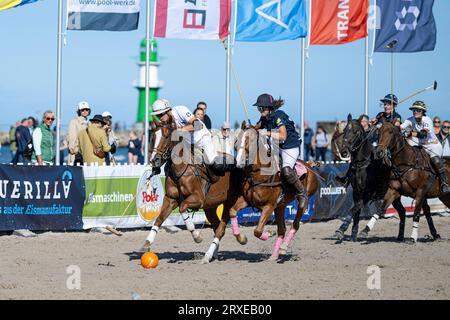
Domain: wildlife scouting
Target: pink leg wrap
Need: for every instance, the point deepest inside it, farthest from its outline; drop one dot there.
(264, 236)
(277, 246)
(235, 226)
(290, 236)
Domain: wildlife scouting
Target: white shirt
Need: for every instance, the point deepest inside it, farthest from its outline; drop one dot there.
(426, 124)
(37, 139)
(181, 115)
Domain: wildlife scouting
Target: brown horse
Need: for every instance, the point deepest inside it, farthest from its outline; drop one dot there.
(262, 188)
(413, 175)
(190, 185)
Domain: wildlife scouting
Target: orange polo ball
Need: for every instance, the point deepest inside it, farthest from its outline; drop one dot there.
(149, 260)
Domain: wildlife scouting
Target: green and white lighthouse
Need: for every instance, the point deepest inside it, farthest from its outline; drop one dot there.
(154, 83)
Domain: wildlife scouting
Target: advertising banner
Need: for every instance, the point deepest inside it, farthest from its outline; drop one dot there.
(41, 198)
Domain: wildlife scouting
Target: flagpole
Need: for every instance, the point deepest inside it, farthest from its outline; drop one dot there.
(58, 81)
(227, 86)
(147, 80)
(302, 98)
(366, 76)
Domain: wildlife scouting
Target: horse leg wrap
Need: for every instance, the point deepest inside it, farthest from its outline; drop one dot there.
(277, 246)
(235, 226)
(152, 234)
(372, 221)
(188, 222)
(212, 248)
(264, 236)
(290, 236)
(415, 231)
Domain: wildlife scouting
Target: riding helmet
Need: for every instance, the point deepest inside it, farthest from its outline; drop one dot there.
(419, 105)
(390, 98)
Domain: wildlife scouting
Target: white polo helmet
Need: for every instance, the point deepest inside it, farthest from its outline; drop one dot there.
(160, 106)
(83, 105)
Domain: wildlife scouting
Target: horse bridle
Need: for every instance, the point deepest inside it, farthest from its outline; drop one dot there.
(164, 154)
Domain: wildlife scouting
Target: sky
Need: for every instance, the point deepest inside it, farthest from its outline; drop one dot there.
(100, 67)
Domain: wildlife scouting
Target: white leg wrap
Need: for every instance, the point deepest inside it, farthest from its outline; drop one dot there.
(372, 221)
(415, 231)
(212, 248)
(188, 222)
(152, 234)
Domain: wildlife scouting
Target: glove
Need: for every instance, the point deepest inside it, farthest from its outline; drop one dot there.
(406, 133)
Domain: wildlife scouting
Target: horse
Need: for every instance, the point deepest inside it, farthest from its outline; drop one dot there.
(413, 176)
(338, 154)
(262, 188)
(190, 186)
(369, 179)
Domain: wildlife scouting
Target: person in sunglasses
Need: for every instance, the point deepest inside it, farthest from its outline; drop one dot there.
(76, 125)
(436, 125)
(279, 126)
(444, 138)
(43, 141)
(421, 127)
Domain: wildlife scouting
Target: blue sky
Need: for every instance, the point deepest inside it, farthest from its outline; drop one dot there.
(100, 67)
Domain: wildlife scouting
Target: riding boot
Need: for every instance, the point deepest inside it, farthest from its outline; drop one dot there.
(440, 169)
(290, 176)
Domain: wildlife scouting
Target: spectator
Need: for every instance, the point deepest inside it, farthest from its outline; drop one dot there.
(225, 140)
(94, 138)
(23, 140)
(199, 114)
(307, 141)
(321, 143)
(32, 124)
(365, 122)
(43, 141)
(134, 148)
(111, 140)
(76, 125)
(206, 120)
(436, 125)
(444, 138)
(12, 140)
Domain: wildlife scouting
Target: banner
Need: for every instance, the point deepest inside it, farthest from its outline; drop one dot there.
(103, 15)
(339, 21)
(8, 4)
(41, 198)
(410, 23)
(192, 19)
(275, 20)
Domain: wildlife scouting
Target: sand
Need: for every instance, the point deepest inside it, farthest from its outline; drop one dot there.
(315, 268)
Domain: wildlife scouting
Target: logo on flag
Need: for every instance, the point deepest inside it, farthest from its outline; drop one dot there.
(338, 22)
(192, 19)
(8, 4)
(410, 22)
(273, 20)
(103, 15)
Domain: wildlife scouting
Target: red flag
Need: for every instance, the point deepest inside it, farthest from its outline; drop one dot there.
(338, 21)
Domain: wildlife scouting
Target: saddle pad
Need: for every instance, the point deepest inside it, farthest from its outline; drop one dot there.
(300, 168)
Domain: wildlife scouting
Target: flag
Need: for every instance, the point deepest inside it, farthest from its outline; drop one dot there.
(338, 21)
(410, 22)
(262, 20)
(192, 19)
(109, 15)
(7, 4)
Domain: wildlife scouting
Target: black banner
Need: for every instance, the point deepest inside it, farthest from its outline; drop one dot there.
(41, 197)
(333, 200)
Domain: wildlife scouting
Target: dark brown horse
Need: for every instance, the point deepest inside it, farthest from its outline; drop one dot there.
(262, 188)
(190, 185)
(413, 176)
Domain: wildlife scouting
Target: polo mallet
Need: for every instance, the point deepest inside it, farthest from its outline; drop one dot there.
(434, 87)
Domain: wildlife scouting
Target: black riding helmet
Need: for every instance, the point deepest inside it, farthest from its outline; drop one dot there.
(390, 98)
(264, 100)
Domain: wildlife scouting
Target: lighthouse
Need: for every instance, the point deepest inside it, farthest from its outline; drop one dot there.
(154, 83)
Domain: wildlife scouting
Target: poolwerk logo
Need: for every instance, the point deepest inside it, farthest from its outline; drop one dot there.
(277, 20)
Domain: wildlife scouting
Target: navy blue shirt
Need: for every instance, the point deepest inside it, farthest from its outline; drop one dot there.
(23, 136)
(277, 119)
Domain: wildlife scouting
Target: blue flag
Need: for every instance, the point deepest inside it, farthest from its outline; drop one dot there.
(270, 20)
(409, 22)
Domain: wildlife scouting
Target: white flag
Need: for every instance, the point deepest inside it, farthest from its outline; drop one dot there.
(192, 19)
(110, 15)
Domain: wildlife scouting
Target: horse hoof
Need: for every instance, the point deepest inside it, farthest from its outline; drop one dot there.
(197, 236)
(241, 239)
(400, 238)
(437, 237)
(338, 235)
(410, 240)
(363, 235)
(283, 249)
(273, 258)
(206, 260)
(283, 252)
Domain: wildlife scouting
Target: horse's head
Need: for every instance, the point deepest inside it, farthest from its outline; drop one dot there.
(353, 136)
(387, 137)
(246, 145)
(338, 138)
(160, 144)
